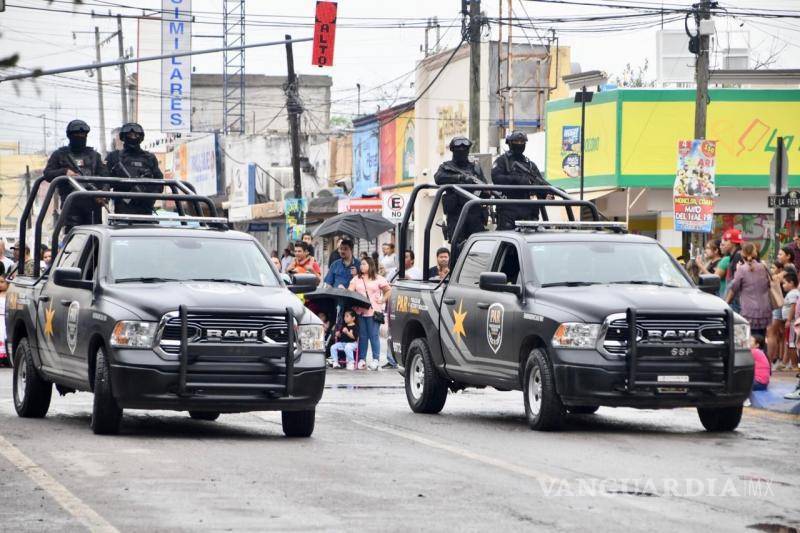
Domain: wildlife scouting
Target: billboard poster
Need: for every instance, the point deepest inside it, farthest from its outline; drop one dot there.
(695, 186)
(176, 72)
(201, 163)
(295, 211)
(365, 158)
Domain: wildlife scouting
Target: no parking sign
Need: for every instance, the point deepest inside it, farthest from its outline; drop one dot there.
(394, 205)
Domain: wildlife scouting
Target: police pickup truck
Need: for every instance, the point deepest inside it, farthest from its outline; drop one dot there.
(175, 313)
(575, 314)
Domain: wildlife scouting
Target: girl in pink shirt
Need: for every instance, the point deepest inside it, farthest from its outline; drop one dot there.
(377, 290)
(763, 368)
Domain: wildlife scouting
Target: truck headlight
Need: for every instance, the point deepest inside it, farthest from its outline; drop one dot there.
(134, 334)
(311, 337)
(741, 336)
(576, 335)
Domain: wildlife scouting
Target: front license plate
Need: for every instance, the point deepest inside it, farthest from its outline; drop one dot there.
(672, 390)
(673, 379)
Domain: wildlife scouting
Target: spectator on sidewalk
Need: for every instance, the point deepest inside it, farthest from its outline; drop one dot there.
(751, 287)
(789, 313)
(287, 259)
(342, 270)
(776, 338)
(377, 290)
(303, 262)
(794, 246)
(309, 240)
(346, 341)
(762, 366)
(731, 247)
(389, 259)
(712, 255)
(442, 267)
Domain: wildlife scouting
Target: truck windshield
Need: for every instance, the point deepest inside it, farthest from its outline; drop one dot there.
(157, 259)
(590, 263)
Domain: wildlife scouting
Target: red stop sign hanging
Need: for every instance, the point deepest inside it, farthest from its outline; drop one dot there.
(324, 34)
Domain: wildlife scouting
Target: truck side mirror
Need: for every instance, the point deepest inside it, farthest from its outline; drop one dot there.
(71, 277)
(709, 283)
(302, 283)
(497, 282)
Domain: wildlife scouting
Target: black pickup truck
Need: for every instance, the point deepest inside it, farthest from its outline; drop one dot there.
(575, 314)
(175, 313)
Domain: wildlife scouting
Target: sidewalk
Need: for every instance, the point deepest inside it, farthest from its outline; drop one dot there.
(772, 399)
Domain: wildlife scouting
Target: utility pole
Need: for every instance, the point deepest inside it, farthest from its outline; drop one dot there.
(703, 12)
(44, 133)
(294, 109)
(28, 190)
(100, 93)
(509, 71)
(475, 74)
(123, 90)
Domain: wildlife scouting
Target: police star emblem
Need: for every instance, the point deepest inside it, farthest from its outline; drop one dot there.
(49, 314)
(459, 317)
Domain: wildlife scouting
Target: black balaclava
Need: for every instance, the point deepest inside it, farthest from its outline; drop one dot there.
(131, 135)
(461, 156)
(517, 148)
(77, 130)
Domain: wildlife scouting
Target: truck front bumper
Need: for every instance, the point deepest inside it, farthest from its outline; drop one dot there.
(585, 377)
(142, 380)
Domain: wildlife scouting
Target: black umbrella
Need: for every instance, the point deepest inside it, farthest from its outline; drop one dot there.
(338, 296)
(359, 225)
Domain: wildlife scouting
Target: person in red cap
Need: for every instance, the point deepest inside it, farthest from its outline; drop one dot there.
(731, 247)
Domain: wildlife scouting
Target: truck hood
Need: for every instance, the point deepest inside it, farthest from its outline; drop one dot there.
(594, 303)
(155, 299)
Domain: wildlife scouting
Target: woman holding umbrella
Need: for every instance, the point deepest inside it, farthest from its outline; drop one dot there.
(377, 290)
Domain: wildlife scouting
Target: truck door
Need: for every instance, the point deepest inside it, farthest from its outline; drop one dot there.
(499, 316)
(64, 306)
(461, 323)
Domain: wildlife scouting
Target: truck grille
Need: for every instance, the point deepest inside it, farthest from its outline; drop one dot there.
(655, 331)
(220, 329)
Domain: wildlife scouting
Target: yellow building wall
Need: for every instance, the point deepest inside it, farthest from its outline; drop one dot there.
(12, 185)
(601, 140)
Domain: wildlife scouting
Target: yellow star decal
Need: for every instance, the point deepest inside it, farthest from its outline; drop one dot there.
(49, 313)
(459, 317)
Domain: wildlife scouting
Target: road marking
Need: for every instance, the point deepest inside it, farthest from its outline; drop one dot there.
(71, 503)
(491, 461)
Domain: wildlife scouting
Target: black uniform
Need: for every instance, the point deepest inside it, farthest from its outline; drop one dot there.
(82, 160)
(133, 162)
(466, 173)
(516, 169)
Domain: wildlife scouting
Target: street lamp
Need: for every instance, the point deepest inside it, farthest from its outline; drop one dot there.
(579, 82)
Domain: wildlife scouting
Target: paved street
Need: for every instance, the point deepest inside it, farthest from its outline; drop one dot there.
(373, 465)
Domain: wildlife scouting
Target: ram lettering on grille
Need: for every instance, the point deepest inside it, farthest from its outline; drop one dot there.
(232, 333)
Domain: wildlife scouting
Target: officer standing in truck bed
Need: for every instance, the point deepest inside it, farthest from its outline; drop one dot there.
(132, 162)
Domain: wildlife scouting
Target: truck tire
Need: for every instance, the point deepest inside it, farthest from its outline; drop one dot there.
(426, 391)
(209, 416)
(298, 423)
(720, 418)
(583, 409)
(106, 414)
(31, 393)
(543, 408)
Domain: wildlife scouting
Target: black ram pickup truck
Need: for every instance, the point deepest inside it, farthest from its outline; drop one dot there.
(575, 314)
(177, 314)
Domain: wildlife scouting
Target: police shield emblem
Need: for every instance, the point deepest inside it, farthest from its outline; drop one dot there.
(494, 326)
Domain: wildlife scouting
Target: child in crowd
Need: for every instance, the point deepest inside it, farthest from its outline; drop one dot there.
(789, 359)
(762, 366)
(326, 324)
(347, 340)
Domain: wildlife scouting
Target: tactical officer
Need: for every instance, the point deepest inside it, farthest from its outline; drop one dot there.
(513, 168)
(77, 159)
(133, 162)
(461, 171)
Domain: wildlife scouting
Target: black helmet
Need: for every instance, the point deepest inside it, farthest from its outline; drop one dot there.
(517, 136)
(77, 126)
(130, 127)
(460, 142)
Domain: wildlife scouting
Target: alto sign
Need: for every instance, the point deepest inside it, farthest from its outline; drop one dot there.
(324, 34)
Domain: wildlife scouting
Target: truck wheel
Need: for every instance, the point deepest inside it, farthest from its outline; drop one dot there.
(298, 423)
(720, 418)
(543, 407)
(209, 416)
(106, 414)
(583, 409)
(426, 391)
(31, 393)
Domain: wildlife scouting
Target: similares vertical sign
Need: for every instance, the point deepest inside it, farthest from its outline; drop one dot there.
(176, 72)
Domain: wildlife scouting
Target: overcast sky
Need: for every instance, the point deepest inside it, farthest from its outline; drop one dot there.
(369, 56)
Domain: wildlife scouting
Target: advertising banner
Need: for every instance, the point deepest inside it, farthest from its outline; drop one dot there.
(365, 158)
(295, 210)
(176, 72)
(695, 186)
(202, 164)
(240, 178)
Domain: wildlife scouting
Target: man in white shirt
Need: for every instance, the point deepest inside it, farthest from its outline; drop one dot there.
(7, 261)
(389, 260)
(412, 272)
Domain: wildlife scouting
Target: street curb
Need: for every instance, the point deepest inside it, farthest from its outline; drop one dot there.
(772, 399)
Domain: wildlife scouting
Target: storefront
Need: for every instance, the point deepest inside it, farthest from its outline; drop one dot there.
(631, 145)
